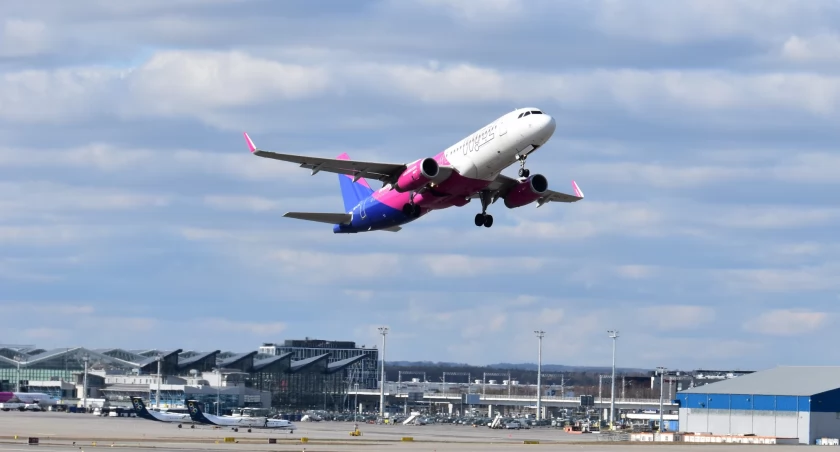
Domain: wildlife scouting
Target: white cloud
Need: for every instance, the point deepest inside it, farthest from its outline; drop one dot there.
(782, 280)
(260, 329)
(484, 11)
(50, 197)
(460, 265)
(179, 82)
(675, 317)
(211, 85)
(787, 322)
(636, 271)
(688, 21)
(774, 217)
(824, 47)
(248, 203)
(20, 37)
(589, 219)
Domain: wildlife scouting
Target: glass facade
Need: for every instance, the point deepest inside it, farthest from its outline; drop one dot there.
(363, 372)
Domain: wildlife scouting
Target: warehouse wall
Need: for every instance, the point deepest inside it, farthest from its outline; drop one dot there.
(825, 415)
(781, 416)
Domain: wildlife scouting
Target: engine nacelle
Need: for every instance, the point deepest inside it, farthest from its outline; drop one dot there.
(526, 192)
(417, 174)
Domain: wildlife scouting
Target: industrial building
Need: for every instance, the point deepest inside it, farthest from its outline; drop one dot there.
(222, 380)
(785, 402)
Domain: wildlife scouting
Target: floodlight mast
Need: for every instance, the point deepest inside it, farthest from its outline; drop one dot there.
(383, 330)
(614, 335)
(540, 334)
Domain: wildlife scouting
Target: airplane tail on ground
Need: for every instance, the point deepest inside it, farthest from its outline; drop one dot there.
(352, 192)
(195, 412)
(141, 410)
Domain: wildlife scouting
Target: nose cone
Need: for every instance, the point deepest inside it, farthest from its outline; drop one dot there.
(549, 126)
(544, 128)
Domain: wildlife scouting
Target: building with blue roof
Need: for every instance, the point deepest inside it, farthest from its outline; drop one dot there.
(786, 402)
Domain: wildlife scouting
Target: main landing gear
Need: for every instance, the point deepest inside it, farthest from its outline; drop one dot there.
(483, 219)
(523, 172)
(410, 209)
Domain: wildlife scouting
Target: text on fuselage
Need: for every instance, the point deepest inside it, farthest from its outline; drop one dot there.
(475, 142)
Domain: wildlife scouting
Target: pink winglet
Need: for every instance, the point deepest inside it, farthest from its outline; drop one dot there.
(578, 192)
(250, 143)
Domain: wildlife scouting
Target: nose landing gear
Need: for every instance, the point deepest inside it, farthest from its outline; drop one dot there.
(523, 172)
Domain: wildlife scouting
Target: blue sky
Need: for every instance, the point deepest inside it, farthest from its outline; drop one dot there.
(704, 134)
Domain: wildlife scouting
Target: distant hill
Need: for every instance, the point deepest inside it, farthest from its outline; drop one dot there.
(519, 366)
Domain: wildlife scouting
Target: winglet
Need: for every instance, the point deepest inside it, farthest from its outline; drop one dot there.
(577, 189)
(251, 146)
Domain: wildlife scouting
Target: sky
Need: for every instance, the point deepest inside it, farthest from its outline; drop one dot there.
(704, 135)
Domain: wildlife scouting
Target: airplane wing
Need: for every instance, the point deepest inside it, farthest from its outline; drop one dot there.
(385, 172)
(503, 184)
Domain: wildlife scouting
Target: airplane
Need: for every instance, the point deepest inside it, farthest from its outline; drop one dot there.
(38, 398)
(199, 416)
(160, 416)
(471, 168)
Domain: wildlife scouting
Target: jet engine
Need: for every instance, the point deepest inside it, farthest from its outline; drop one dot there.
(526, 191)
(417, 174)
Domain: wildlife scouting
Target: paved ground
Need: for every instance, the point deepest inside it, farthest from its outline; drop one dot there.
(75, 432)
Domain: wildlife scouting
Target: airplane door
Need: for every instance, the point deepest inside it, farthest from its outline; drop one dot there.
(502, 129)
(362, 208)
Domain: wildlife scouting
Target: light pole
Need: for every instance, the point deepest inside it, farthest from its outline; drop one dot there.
(157, 395)
(218, 392)
(85, 358)
(661, 371)
(614, 335)
(18, 358)
(383, 330)
(356, 403)
(540, 334)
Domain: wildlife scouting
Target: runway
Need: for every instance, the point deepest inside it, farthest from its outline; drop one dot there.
(85, 432)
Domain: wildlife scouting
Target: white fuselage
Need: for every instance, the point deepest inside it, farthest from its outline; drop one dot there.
(170, 417)
(247, 421)
(36, 398)
(488, 151)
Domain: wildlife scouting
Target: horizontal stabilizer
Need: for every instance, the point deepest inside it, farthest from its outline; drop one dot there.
(331, 218)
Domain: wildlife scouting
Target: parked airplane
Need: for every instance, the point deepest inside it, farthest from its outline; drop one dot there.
(160, 416)
(28, 397)
(469, 169)
(199, 416)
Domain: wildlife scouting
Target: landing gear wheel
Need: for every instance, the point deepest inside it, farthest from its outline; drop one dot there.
(523, 172)
(482, 219)
(411, 210)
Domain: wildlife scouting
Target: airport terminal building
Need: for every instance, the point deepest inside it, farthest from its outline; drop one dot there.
(785, 402)
(285, 378)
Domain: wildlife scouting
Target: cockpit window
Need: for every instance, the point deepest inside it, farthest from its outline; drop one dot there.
(536, 112)
(527, 113)
(520, 115)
